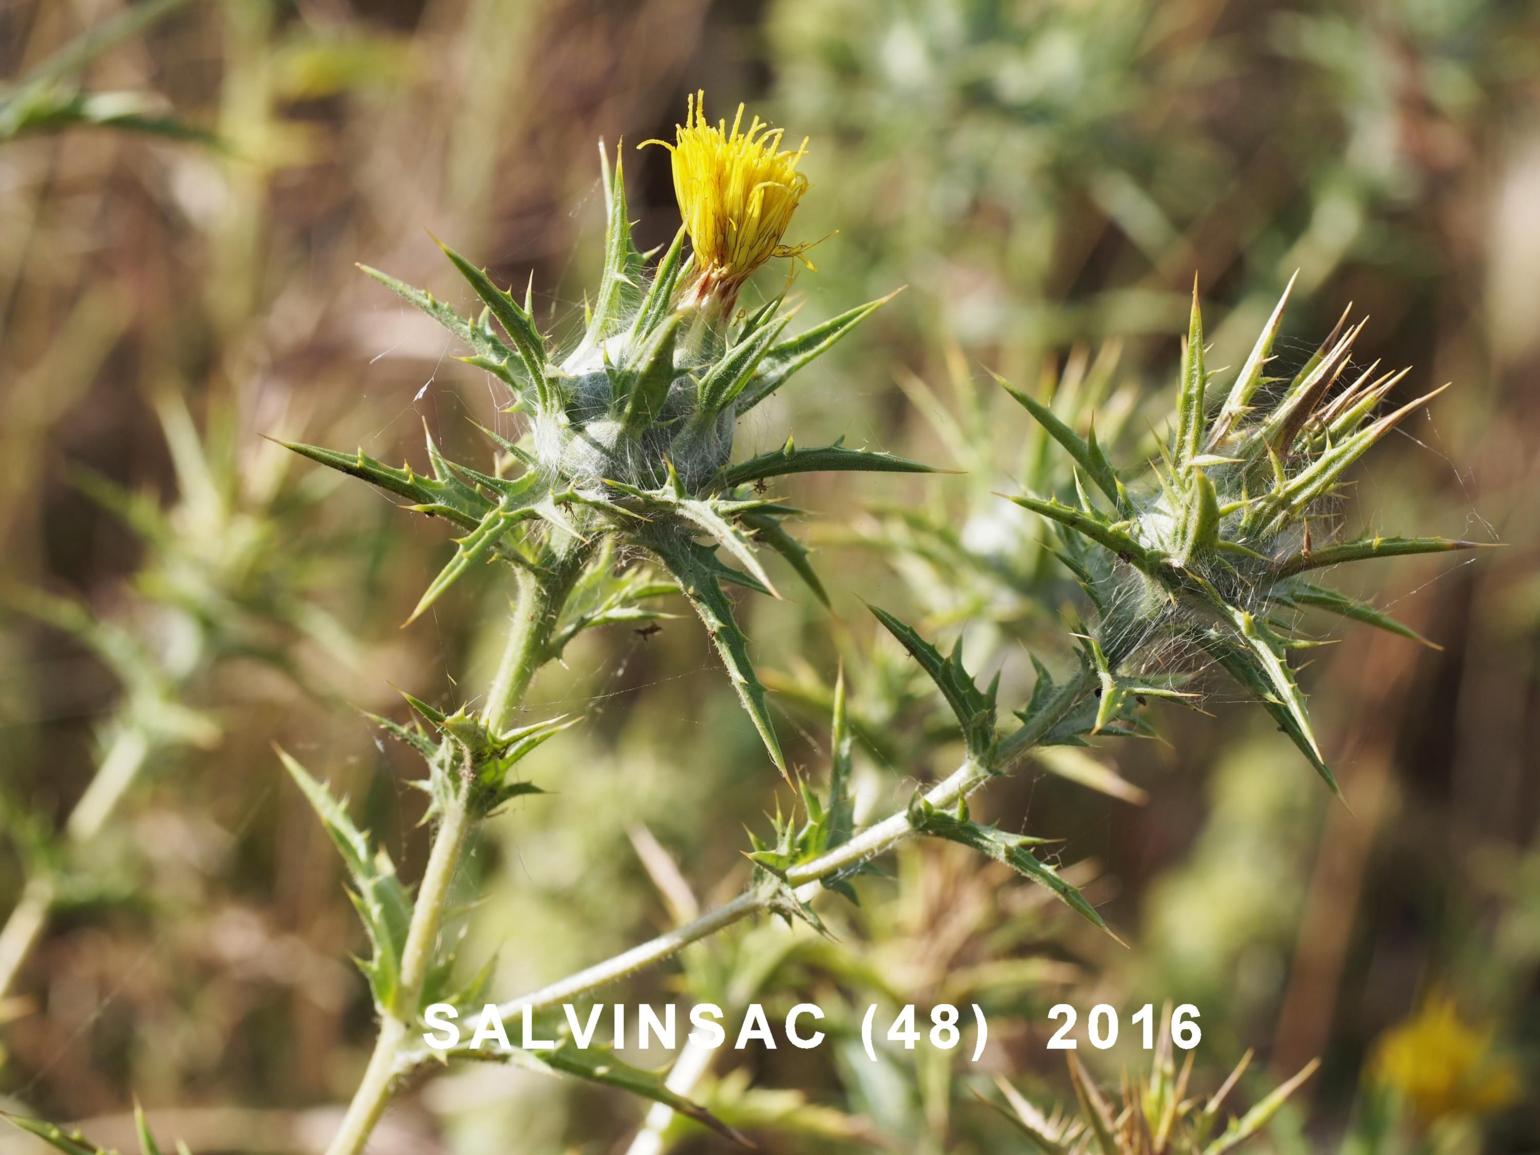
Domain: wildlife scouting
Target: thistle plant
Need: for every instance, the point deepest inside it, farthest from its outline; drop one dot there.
(622, 489)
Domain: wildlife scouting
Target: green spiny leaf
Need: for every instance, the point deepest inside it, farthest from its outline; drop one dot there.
(659, 299)
(975, 709)
(1369, 547)
(481, 544)
(1200, 519)
(1014, 850)
(780, 898)
(1105, 533)
(1259, 1116)
(381, 900)
(1249, 379)
(769, 531)
(727, 378)
(1087, 454)
(1321, 598)
(605, 596)
(1321, 474)
(440, 497)
(841, 820)
(698, 573)
(792, 355)
(641, 388)
(831, 458)
(1189, 409)
(515, 320)
(620, 284)
(704, 515)
(1251, 657)
(599, 1065)
(487, 347)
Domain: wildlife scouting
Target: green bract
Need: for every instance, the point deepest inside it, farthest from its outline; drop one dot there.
(1207, 553)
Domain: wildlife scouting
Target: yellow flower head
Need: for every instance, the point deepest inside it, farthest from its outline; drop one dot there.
(737, 191)
(1444, 1067)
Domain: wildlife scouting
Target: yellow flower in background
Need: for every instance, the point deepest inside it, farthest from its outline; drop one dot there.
(1443, 1066)
(737, 191)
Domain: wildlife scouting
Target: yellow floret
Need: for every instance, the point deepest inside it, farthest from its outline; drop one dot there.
(737, 191)
(1444, 1067)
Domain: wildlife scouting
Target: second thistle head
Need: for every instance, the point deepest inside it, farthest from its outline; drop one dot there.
(1213, 551)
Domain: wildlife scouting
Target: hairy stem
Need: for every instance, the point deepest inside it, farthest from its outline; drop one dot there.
(375, 1088)
(537, 609)
(522, 653)
(808, 877)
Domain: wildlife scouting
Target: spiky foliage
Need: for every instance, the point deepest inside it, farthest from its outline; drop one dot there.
(74, 1143)
(628, 443)
(50, 98)
(1212, 551)
(1158, 1116)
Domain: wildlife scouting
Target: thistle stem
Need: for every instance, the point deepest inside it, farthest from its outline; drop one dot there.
(24, 927)
(124, 759)
(807, 879)
(521, 653)
(537, 609)
(374, 1090)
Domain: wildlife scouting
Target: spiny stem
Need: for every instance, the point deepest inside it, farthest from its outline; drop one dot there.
(808, 877)
(536, 611)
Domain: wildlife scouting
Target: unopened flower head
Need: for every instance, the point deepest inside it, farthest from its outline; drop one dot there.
(737, 191)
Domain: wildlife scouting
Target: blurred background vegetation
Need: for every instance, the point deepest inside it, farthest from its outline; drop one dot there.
(182, 197)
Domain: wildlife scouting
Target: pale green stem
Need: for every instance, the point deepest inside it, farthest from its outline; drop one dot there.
(125, 758)
(522, 653)
(807, 879)
(374, 1090)
(536, 611)
(23, 928)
